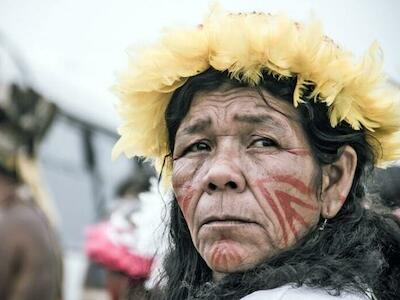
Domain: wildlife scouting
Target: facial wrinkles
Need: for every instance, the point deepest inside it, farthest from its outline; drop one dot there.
(228, 156)
(243, 132)
(284, 194)
(280, 180)
(288, 198)
(225, 255)
(219, 107)
(188, 174)
(288, 194)
(186, 185)
(214, 108)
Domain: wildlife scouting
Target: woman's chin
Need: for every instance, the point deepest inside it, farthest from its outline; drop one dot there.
(227, 257)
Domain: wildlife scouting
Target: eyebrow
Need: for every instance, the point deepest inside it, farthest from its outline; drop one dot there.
(263, 119)
(258, 119)
(201, 125)
(198, 126)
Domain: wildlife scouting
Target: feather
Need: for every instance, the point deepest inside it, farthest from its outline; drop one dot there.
(247, 45)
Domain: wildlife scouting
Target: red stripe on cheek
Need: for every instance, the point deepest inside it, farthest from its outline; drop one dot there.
(184, 200)
(294, 182)
(284, 200)
(275, 209)
(289, 198)
(290, 213)
(299, 152)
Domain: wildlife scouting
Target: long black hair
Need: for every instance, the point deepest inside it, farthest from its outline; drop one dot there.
(356, 251)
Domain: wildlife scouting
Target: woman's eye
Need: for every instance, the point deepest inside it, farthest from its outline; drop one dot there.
(263, 142)
(198, 147)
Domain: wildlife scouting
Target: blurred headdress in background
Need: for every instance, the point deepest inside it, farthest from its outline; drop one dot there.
(25, 117)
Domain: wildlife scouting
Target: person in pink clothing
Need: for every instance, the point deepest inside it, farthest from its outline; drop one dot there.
(115, 244)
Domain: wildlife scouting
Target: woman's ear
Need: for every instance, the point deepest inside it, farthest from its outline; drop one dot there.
(337, 179)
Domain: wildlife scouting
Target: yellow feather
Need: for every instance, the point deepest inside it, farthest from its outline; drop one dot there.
(247, 45)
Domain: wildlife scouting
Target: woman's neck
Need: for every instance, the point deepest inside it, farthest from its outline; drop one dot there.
(217, 276)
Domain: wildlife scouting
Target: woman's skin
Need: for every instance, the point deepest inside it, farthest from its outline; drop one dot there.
(244, 177)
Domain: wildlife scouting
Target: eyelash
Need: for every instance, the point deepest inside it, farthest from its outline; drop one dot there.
(190, 148)
(271, 142)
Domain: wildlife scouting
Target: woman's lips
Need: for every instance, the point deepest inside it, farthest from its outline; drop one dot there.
(226, 221)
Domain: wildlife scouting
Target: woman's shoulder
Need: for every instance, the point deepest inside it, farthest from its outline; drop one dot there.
(288, 292)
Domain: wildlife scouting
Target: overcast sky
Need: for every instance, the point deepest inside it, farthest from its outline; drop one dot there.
(74, 48)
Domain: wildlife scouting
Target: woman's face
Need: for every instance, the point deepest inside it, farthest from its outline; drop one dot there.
(244, 177)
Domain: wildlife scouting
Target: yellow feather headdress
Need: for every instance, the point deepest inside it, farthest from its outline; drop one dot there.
(246, 45)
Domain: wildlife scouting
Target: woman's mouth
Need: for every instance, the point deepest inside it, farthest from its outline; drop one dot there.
(225, 221)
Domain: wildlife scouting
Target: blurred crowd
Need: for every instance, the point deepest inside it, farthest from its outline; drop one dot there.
(123, 239)
(122, 245)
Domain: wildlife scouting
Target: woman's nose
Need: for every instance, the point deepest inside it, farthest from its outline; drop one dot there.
(224, 175)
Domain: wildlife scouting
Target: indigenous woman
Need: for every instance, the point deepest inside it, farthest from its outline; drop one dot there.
(264, 129)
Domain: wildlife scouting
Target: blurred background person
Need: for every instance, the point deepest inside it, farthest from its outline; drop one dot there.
(30, 258)
(386, 185)
(384, 196)
(124, 244)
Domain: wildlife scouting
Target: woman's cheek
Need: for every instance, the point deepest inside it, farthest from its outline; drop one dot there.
(287, 193)
(291, 202)
(184, 197)
(183, 182)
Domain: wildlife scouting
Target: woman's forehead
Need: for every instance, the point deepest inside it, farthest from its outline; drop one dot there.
(239, 100)
(228, 110)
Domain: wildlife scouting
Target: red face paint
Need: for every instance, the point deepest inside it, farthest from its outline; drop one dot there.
(290, 213)
(225, 256)
(289, 201)
(274, 207)
(342, 198)
(183, 200)
(299, 152)
(285, 201)
(294, 182)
